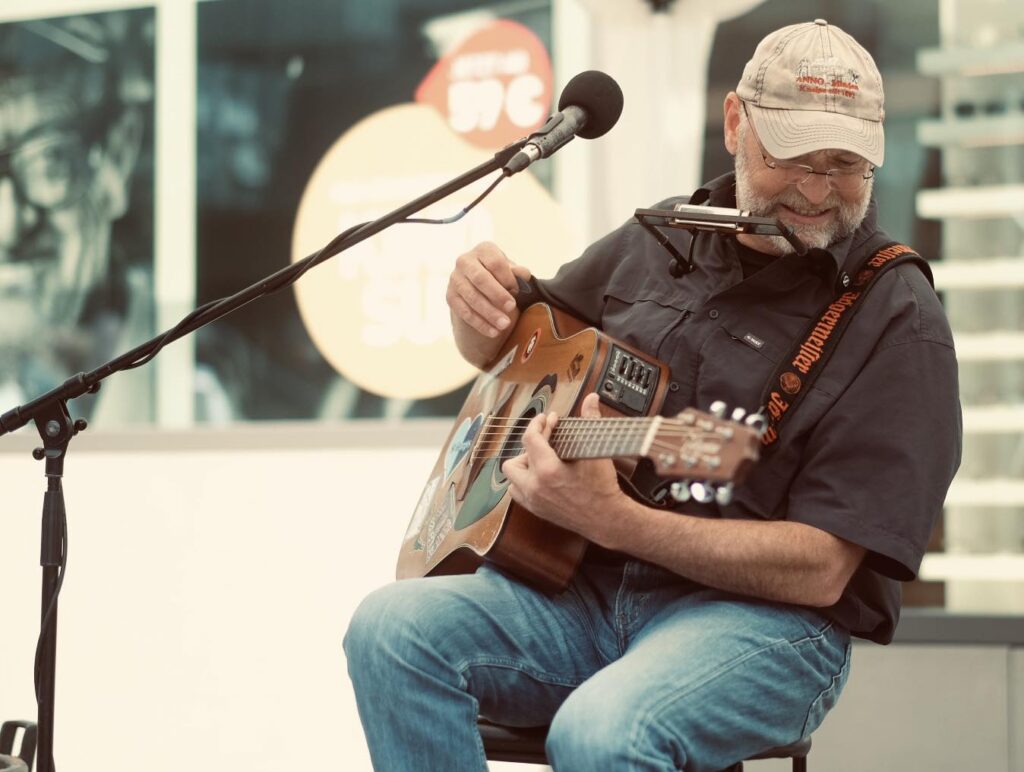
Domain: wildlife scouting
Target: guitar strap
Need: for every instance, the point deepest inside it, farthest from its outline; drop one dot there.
(797, 371)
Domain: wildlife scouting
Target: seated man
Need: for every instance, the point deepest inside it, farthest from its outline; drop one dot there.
(693, 637)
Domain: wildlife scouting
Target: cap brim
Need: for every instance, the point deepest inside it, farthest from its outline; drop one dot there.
(791, 133)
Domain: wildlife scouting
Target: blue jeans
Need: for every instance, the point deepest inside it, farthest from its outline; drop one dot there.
(635, 668)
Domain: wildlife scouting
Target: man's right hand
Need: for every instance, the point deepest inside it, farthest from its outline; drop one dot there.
(481, 295)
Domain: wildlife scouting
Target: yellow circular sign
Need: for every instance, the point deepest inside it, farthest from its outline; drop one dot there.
(377, 311)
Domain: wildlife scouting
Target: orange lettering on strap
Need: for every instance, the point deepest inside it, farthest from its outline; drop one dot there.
(813, 347)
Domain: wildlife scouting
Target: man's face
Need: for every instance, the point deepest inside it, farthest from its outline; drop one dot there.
(54, 213)
(819, 215)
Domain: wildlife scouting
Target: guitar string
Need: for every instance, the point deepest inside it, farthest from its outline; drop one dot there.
(601, 423)
(623, 445)
(574, 428)
(509, 453)
(497, 436)
(577, 433)
(597, 423)
(485, 445)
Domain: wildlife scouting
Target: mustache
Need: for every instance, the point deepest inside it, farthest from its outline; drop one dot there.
(793, 199)
(844, 211)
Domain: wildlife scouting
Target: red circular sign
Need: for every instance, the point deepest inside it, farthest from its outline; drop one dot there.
(494, 87)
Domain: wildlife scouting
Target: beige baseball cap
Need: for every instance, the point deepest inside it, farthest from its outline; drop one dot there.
(812, 87)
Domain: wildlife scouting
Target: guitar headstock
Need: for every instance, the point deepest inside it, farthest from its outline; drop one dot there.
(708, 447)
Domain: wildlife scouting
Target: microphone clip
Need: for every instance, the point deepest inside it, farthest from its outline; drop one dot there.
(553, 120)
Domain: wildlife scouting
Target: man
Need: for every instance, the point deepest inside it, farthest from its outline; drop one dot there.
(71, 130)
(694, 637)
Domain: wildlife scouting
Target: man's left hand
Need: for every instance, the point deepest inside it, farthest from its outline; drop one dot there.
(582, 496)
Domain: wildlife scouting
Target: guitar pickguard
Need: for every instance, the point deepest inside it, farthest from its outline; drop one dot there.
(490, 485)
(462, 443)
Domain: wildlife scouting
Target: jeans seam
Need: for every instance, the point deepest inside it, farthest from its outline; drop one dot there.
(619, 613)
(513, 664)
(580, 604)
(813, 638)
(832, 685)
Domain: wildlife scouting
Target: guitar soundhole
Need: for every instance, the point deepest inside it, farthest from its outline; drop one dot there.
(513, 445)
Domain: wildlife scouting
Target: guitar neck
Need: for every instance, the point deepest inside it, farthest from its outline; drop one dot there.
(575, 438)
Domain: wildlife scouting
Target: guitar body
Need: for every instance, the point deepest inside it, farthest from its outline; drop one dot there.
(466, 514)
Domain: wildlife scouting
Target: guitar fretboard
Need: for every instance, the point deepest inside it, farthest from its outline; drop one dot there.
(573, 437)
(600, 437)
(686, 439)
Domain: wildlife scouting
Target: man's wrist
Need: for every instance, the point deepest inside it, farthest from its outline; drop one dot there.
(622, 525)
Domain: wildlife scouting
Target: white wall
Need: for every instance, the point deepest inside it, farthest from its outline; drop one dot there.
(206, 597)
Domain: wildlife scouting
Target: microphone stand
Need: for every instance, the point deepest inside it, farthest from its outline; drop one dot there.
(50, 414)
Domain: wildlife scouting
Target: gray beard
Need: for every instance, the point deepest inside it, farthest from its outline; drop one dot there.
(849, 214)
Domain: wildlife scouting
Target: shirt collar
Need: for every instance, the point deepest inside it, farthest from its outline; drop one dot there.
(721, 191)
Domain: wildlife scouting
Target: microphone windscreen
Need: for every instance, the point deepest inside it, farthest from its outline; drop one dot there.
(599, 96)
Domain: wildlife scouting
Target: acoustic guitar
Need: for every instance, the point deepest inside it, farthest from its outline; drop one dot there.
(549, 363)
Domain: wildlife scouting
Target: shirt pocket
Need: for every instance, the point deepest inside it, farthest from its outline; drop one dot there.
(735, 364)
(642, 317)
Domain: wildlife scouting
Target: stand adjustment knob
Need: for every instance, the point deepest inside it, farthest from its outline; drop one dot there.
(38, 454)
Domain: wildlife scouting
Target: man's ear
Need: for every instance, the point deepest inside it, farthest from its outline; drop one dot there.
(732, 109)
(121, 150)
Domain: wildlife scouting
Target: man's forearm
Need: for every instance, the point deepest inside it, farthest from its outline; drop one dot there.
(774, 560)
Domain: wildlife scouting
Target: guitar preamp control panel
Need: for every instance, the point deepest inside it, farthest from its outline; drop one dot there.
(628, 382)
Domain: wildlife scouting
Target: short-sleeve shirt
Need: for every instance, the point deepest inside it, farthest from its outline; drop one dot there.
(870, 452)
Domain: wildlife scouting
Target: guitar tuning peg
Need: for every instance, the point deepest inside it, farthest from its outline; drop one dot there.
(679, 492)
(723, 495)
(757, 421)
(702, 492)
(739, 414)
(717, 408)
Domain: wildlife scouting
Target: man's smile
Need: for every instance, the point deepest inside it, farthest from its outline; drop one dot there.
(807, 217)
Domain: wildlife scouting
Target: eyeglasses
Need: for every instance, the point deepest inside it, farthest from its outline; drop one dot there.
(49, 172)
(848, 180)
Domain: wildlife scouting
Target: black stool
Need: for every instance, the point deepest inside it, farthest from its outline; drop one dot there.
(526, 746)
(22, 760)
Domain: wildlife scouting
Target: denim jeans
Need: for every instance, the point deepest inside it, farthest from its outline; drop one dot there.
(635, 668)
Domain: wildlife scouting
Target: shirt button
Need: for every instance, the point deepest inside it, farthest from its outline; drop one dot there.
(713, 313)
(673, 386)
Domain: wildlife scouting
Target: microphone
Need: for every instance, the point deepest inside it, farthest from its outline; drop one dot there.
(590, 105)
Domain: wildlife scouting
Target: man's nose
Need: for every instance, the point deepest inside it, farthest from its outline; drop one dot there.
(815, 188)
(16, 217)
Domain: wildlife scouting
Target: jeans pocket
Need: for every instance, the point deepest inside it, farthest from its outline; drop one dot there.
(828, 697)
